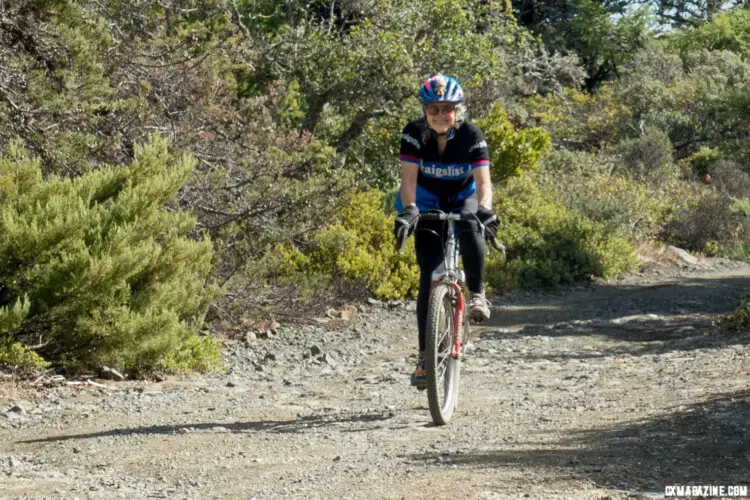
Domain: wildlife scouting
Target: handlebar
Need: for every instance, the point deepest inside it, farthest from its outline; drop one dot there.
(461, 216)
(434, 215)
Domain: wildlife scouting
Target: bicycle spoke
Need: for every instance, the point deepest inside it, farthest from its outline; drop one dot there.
(447, 323)
(442, 370)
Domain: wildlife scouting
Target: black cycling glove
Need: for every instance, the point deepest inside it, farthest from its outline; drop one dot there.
(488, 218)
(406, 223)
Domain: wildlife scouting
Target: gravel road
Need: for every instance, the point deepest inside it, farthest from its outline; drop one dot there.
(589, 392)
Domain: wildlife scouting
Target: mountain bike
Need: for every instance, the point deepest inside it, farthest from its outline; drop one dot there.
(447, 320)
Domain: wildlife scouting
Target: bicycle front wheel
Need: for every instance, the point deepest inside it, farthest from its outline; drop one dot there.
(441, 367)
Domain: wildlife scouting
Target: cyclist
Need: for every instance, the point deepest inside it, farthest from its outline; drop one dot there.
(445, 165)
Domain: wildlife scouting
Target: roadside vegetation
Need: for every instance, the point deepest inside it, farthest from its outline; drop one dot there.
(174, 168)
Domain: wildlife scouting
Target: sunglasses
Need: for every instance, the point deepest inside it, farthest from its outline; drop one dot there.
(440, 110)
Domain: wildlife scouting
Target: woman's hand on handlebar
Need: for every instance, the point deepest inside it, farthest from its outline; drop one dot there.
(488, 218)
(405, 224)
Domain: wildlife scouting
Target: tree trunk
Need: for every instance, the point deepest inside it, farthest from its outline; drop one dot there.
(347, 138)
(317, 103)
(713, 7)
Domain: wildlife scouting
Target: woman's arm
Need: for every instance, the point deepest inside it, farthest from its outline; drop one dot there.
(484, 186)
(409, 172)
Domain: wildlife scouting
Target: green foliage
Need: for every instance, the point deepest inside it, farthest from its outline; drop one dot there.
(687, 13)
(109, 275)
(601, 190)
(580, 120)
(646, 155)
(20, 358)
(708, 105)
(195, 355)
(646, 86)
(738, 252)
(602, 34)
(740, 206)
(372, 155)
(290, 106)
(715, 221)
(729, 31)
(603, 41)
(740, 247)
(512, 151)
(703, 160)
(547, 245)
(357, 248)
(14, 354)
(12, 317)
(739, 320)
(289, 112)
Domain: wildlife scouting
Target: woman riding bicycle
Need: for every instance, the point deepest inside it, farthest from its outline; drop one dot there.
(445, 165)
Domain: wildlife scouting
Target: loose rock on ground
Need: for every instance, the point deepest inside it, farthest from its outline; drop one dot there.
(593, 391)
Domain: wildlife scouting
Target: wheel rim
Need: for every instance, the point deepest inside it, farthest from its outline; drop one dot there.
(444, 359)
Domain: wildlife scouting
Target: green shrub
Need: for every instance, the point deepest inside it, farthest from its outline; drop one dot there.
(729, 177)
(716, 222)
(357, 250)
(739, 320)
(14, 354)
(740, 248)
(703, 160)
(18, 357)
(591, 185)
(740, 206)
(548, 245)
(195, 355)
(512, 151)
(109, 275)
(726, 31)
(644, 156)
(737, 252)
(581, 120)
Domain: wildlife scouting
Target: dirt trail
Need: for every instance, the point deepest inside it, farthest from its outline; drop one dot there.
(603, 391)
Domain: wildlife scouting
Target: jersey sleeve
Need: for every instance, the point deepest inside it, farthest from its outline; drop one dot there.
(410, 145)
(479, 153)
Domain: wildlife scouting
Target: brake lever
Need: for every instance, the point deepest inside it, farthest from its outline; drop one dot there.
(499, 247)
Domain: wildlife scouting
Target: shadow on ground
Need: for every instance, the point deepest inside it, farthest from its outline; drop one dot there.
(696, 296)
(705, 443)
(302, 424)
(641, 320)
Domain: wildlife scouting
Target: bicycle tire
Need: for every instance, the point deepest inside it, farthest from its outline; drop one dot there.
(442, 368)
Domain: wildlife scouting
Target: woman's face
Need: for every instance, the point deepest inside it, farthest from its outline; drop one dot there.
(441, 116)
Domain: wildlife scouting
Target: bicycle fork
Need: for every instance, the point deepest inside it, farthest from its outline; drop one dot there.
(458, 320)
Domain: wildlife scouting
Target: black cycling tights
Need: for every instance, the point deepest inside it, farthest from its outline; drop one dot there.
(430, 255)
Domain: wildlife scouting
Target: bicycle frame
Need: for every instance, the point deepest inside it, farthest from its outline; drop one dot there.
(449, 274)
(446, 316)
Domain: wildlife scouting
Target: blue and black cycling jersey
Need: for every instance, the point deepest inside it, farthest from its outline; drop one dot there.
(443, 178)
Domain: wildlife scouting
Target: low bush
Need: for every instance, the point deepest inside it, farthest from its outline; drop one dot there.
(94, 271)
(512, 150)
(20, 358)
(355, 251)
(704, 159)
(728, 177)
(597, 188)
(643, 157)
(549, 245)
(715, 223)
(739, 320)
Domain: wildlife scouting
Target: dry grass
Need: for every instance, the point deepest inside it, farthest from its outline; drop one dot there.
(653, 254)
(10, 390)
